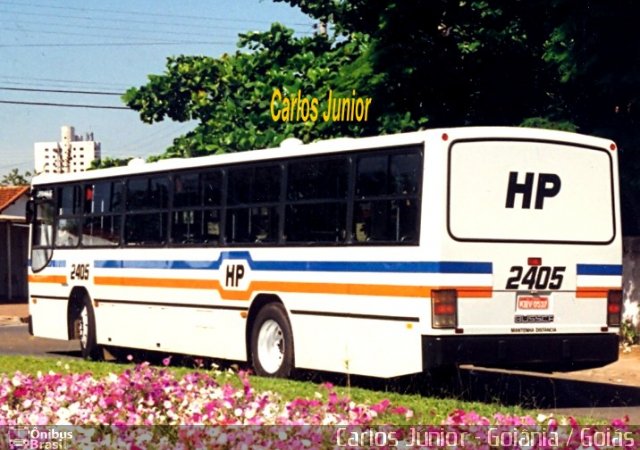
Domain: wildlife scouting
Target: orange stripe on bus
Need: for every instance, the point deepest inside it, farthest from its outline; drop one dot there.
(56, 279)
(593, 292)
(157, 282)
(283, 286)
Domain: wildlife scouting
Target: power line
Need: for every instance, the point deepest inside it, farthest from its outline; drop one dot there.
(56, 81)
(115, 44)
(54, 85)
(157, 30)
(93, 35)
(64, 105)
(155, 136)
(144, 22)
(19, 163)
(143, 13)
(59, 91)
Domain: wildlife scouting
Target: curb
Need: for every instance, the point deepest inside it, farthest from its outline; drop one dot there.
(10, 320)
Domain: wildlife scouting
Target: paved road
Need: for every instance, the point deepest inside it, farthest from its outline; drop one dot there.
(535, 391)
(15, 340)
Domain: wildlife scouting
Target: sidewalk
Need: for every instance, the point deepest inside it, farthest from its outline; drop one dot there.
(11, 313)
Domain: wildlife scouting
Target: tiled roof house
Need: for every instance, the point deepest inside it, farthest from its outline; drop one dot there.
(13, 200)
(14, 243)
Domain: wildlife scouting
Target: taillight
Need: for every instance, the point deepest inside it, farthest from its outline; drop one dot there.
(444, 308)
(614, 307)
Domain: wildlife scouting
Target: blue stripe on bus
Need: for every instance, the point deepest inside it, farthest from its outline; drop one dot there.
(57, 263)
(52, 263)
(599, 269)
(307, 266)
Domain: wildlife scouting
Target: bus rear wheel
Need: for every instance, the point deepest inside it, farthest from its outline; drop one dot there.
(272, 343)
(87, 331)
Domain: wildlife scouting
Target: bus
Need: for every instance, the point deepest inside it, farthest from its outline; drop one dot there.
(381, 256)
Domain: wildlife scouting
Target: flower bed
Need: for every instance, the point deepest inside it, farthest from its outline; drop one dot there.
(150, 405)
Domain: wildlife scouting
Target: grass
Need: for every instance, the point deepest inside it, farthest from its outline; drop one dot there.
(426, 409)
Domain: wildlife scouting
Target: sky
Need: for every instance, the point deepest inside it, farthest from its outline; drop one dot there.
(108, 46)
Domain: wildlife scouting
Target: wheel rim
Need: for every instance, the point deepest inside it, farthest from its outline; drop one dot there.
(270, 346)
(84, 327)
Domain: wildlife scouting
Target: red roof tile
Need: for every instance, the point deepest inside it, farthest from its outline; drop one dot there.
(9, 194)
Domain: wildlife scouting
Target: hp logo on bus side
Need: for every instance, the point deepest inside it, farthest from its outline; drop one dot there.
(235, 275)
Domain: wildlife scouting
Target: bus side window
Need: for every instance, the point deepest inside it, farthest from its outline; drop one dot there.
(187, 191)
(316, 222)
(146, 229)
(253, 198)
(195, 215)
(316, 210)
(147, 202)
(386, 191)
(69, 207)
(102, 218)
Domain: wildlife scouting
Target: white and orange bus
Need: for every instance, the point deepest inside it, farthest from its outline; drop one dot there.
(379, 256)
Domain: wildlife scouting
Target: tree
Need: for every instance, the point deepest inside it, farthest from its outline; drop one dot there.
(15, 178)
(232, 97)
(564, 64)
(599, 81)
(106, 162)
(445, 63)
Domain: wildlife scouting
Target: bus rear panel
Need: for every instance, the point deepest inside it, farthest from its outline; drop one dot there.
(542, 212)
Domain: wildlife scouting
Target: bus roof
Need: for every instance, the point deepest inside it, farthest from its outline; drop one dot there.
(295, 149)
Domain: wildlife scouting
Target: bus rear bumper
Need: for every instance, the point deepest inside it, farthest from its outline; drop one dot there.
(557, 352)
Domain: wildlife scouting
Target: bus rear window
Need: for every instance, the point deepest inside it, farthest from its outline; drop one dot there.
(530, 191)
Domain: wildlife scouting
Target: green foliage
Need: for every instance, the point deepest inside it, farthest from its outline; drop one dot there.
(629, 333)
(547, 123)
(599, 81)
(230, 96)
(108, 162)
(564, 64)
(15, 178)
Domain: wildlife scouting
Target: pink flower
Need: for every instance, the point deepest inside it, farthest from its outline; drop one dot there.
(620, 423)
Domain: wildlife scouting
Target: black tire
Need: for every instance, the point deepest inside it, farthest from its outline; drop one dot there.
(272, 343)
(87, 324)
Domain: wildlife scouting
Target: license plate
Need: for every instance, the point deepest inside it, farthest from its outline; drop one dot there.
(530, 302)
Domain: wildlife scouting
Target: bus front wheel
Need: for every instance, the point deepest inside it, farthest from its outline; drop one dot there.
(87, 331)
(272, 342)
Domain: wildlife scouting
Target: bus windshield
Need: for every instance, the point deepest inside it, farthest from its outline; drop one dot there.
(41, 249)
